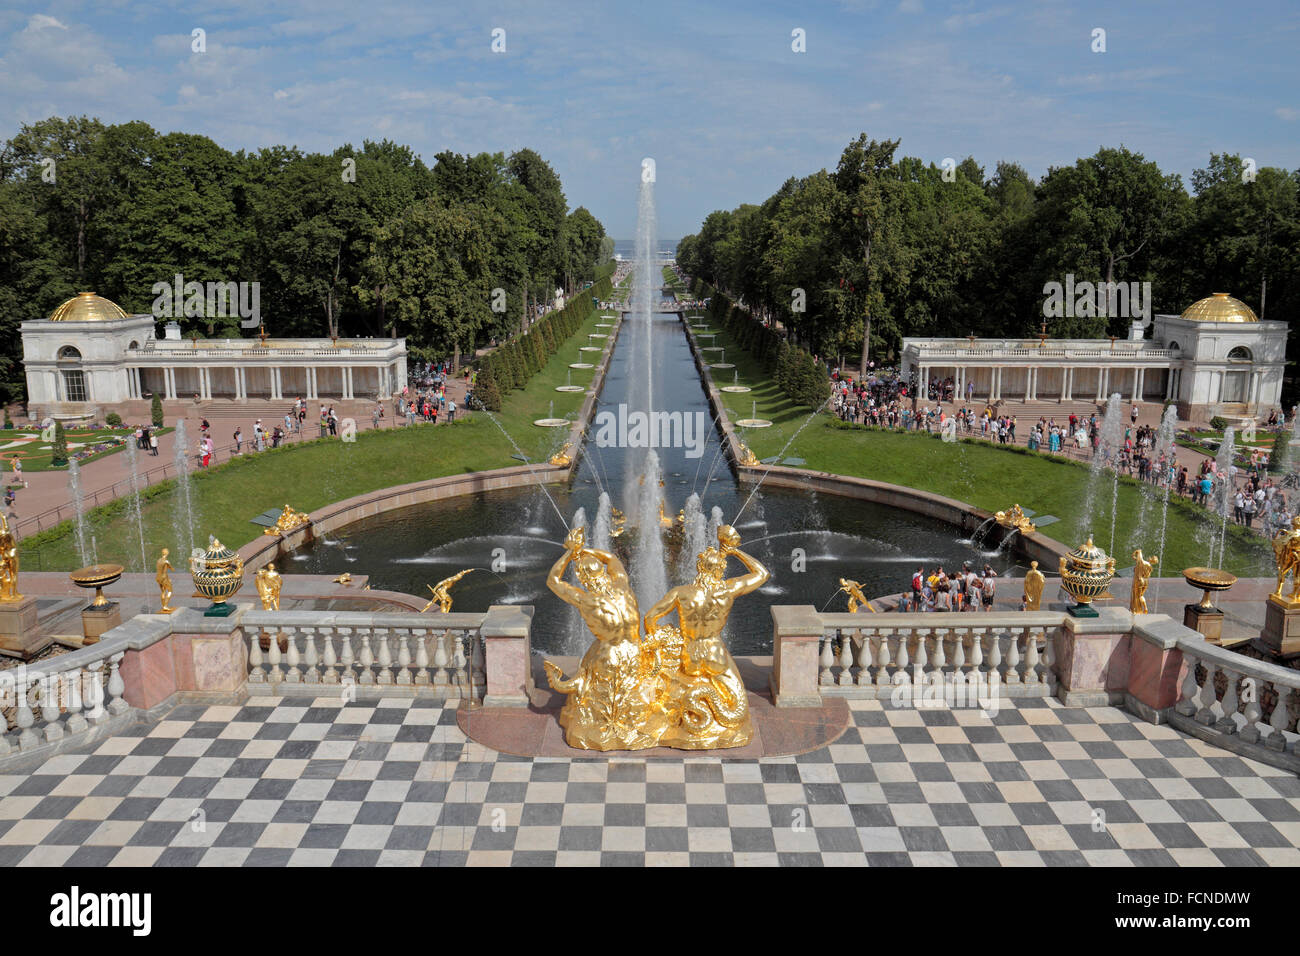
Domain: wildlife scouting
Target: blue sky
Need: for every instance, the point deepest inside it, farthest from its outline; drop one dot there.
(712, 91)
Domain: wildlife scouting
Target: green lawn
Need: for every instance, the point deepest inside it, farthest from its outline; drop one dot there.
(314, 473)
(37, 455)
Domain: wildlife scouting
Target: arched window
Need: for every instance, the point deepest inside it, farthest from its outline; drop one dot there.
(1240, 354)
(73, 378)
(134, 345)
(1175, 347)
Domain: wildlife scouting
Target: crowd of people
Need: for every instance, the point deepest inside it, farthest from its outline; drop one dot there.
(965, 590)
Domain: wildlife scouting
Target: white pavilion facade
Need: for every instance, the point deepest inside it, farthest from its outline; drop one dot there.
(1217, 358)
(90, 356)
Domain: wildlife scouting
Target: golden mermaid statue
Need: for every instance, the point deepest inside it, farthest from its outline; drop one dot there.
(614, 698)
(706, 702)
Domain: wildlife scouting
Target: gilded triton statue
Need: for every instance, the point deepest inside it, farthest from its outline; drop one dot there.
(1286, 549)
(442, 592)
(747, 457)
(614, 699)
(856, 598)
(1137, 602)
(562, 458)
(289, 520)
(707, 705)
(1015, 518)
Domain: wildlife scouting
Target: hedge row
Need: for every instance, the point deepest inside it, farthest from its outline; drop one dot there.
(511, 365)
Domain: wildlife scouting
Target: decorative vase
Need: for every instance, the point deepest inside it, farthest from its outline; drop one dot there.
(218, 573)
(1086, 573)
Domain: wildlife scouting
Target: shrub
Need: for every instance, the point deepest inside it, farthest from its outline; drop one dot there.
(486, 391)
(113, 419)
(59, 451)
(156, 411)
(1218, 423)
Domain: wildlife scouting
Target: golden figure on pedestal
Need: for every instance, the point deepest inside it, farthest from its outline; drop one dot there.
(679, 687)
(1137, 602)
(1286, 549)
(289, 520)
(164, 582)
(1034, 581)
(268, 587)
(747, 457)
(8, 564)
(856, 598)
(1015, 518)
(442, 592)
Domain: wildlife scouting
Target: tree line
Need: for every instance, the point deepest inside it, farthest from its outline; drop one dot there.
(853, 259)
(357, 242)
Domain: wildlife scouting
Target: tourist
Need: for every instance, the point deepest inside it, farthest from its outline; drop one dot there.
(1133, 416)
(1248, 510)
(239, 439)
(451, 410)
(139, 437)
(153, 445)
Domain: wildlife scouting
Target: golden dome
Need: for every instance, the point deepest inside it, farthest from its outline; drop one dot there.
(87, 307)
(1220, 307)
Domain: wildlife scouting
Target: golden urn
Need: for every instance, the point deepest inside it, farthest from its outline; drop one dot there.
(218, 573)
(1086, 573)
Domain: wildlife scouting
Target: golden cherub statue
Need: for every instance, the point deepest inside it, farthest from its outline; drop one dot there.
(1137, 602)
(856, 598)
(562, 458)
(8, 564)
(1015, 518)
(1286, 549)
(289, 520)
(613, 699)
(164, 582)
(1034, 582)
(268, 587)
(442, 592)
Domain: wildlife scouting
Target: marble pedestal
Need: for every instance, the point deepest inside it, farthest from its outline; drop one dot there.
(1208, 621)
(96, 620)
(1281, 632)
(18, 632)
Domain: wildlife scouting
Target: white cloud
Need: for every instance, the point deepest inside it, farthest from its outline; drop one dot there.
(911, 6)
(1287, 113)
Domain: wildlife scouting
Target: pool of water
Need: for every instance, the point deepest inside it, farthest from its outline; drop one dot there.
(807, 541)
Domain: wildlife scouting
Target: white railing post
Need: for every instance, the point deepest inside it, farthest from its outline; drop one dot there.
(403, 657)
(255, 674)
(292, 674)
(827, 660)
(846, 658)
(116, 687)
(329, 661)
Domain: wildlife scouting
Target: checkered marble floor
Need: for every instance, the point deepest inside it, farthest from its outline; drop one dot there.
(286, 782)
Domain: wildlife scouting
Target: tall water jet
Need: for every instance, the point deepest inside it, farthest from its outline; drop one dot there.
(601, 538)
(576, 631)
(1109, 438)
(134, 509)
(649, 576)
(716, 521)
(1162, 458)
(79, 506)
(1223, 472)
(1156, 489)
(183, 502)
(695, 531)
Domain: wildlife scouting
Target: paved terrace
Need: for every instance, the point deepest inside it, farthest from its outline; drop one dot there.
(277, 782)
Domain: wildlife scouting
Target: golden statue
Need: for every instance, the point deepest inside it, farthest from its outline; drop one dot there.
(164, 582)
(614, 698)
(562, 458)
(288, 521)
(1015, 518)
(442, 592)
(1034, 581)
(856, 598)
(617, 520)
(707, 703)
(1286, 549)
(268, 587)
(747, 457)
(8, 564)
(344, 579)
(1137, 602)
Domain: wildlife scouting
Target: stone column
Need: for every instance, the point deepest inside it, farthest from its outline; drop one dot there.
(1092, 658)
(1155, 665)
(507, 655)
(796, 635)
(1137, 384)
(169, 376)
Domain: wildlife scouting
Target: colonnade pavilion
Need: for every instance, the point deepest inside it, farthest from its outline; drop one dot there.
(1217, 358)
(90, 357)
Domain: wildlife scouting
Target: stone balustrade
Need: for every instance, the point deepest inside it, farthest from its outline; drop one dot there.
(1244, 705)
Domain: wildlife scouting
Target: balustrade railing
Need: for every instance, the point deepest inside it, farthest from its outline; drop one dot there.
(363, 654)
(1238, 702)
(61, 697)
(868, 655)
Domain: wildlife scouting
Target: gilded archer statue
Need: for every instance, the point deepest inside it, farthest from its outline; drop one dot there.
(442, 592)
(856, 598)
(614, 698)
(707, 703)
